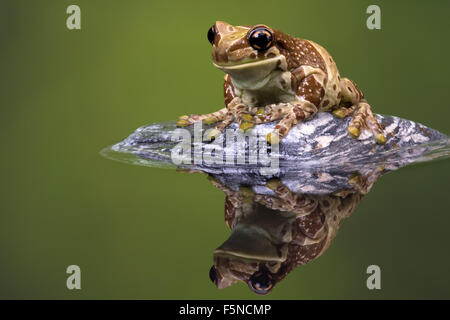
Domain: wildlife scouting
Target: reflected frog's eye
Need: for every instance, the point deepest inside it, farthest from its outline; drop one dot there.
(260, 38)
(213, 275)
(261, 282)
(211, 34)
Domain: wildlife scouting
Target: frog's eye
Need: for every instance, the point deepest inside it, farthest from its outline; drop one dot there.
(261, 282)
(211, 34)
(260, 38)
(213, 275)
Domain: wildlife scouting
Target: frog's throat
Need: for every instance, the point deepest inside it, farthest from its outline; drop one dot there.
(250, 243)
(253, 74)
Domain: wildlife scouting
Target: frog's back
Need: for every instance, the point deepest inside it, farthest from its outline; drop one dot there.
(306, 53)
(299, 52)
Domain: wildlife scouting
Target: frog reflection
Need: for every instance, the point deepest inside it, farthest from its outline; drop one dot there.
(273, 234)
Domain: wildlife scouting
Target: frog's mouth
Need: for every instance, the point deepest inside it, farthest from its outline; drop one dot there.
(252, 74)
(247, 63)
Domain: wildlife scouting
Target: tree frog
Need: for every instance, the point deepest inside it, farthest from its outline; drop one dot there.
(271, 76)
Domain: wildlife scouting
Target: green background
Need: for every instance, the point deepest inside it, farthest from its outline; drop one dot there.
(139, 232)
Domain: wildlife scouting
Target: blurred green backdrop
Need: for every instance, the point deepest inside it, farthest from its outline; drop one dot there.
(138, 232)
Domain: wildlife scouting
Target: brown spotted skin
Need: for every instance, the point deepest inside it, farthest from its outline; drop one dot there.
(288, 81)
(311, 223)
(228, 90)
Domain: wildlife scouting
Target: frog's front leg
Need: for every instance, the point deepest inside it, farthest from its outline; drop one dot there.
(362, 115)
(362, 182)
(310, 90)
(271, 113)
(235, 109)
(286, 200)
(244, 117)
(208, 118)
(217, 131)
(295, 113)
(289, 113)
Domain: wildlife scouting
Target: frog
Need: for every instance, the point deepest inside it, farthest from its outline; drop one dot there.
(272, 76)
(273, 234)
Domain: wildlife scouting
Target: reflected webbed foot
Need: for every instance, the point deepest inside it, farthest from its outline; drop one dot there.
(273, 184)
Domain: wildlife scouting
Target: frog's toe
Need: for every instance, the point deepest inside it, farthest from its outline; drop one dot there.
(343, 192)
(212, 135)
(353, 131)
(246, 117)
(272, 184)
(210, 120)
(182, 123)
(380, 138)
(260, 111)
(339, 113)
(245, 126)
(354, 178)
(273, 138)
(358, 183)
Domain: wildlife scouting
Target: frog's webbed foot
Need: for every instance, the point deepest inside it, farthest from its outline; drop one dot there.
(362, 117)
(185, 120)
(360, 111)
(363, 182)
(274, 184)
(358, 185)
(343, 112)
(282, 192)
(249, 117)
(286, 200)
(245, 121)
(292, 114)
(243, 115)
(217, 131)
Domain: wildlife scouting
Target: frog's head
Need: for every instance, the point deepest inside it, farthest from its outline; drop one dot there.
(245, 52)
(248, 256)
